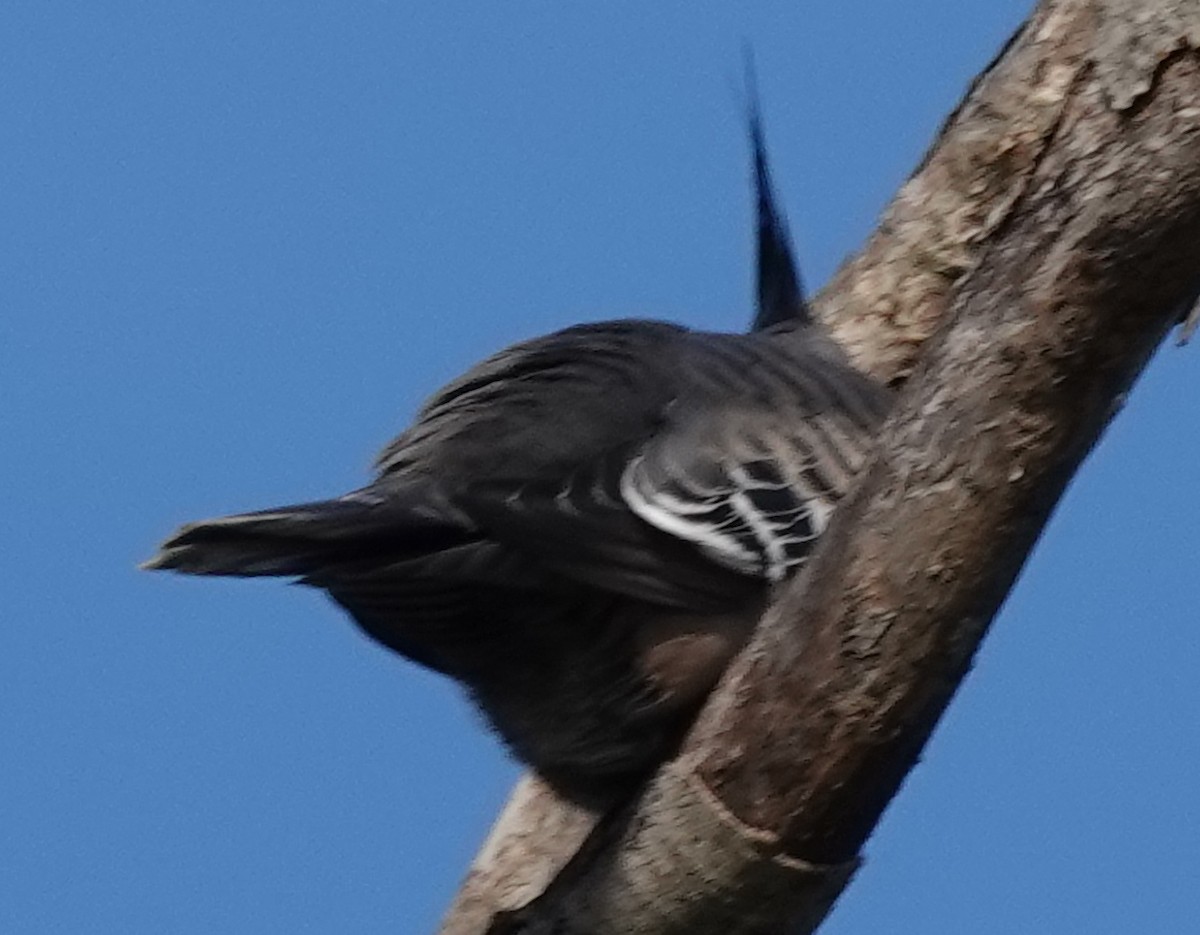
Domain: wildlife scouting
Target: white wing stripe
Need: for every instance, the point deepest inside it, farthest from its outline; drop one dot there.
(731, 526)
(667, 513)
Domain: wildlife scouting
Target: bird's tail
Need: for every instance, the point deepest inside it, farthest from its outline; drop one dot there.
(307, 538)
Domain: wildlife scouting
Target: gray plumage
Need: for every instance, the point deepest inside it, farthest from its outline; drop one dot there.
(583, 528)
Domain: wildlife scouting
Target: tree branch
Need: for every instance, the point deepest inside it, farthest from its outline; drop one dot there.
(1048, 239)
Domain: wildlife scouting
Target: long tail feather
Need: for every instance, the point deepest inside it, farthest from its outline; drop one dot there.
(307, 537)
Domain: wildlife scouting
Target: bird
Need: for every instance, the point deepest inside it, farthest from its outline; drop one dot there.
(583, 529)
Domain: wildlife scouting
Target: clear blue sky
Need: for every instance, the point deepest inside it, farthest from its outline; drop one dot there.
(242, 241)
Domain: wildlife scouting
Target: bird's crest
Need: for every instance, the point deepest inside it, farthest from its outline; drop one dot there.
(780, 293)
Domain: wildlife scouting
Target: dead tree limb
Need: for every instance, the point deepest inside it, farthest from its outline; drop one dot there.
(1046, 244)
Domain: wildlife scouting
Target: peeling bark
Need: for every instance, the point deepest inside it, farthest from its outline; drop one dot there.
(1015, 288)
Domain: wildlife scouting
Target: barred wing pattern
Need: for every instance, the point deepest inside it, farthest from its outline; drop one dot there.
(754, 521)
(752, 480)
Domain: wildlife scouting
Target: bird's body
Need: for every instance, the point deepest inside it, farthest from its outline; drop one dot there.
(583, 529)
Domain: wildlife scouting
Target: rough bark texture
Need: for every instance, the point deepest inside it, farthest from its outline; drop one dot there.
(527, 847)
(1046, 244)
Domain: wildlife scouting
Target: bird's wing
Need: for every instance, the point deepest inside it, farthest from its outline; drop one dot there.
(728, 480)
(531, 445)
(580, 526)
(751, 471)
(751, 493)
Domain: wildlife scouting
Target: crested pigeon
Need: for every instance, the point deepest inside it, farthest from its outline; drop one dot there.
(583, 529)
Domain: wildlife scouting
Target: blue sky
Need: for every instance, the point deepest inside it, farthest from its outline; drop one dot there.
(242, 241)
